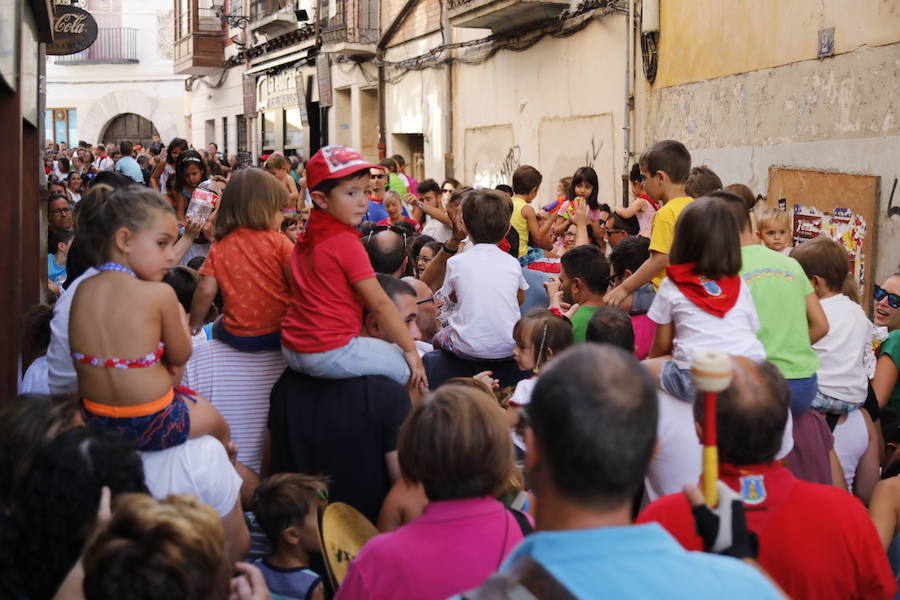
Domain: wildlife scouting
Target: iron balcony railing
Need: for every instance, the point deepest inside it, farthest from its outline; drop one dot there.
(113, 45)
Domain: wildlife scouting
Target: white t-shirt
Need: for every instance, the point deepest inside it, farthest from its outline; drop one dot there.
(842, 372)
(436, 229)
(200, 466)
(61, 374)
(851, 440)
(679, 459)
(104, 164)
(524, 391)
(486, 281)
(696, 329)
(238, 385)
(35, 379)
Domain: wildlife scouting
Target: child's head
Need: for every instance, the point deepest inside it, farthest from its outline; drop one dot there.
(540, 335)
(132, 225)
(526, 180)
(190, 170)
(184, 281)
(392, 205)
(60, 240)
(611, 325)
(825, 263)
(562, 188)
(286, 506)
(277, 165)
(389, 164)
(664, 163)
(290, 226)
(338, 179)
(155, 549)
(774, 228)
(486, 214)
(744, 193)
(175, 148)
(706, 234)
(252, 199)
(702, 181)
(584, 185)
(637, 186)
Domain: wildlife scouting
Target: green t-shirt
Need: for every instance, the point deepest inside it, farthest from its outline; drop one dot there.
(580, 322)
(779, 288)
(891, 347)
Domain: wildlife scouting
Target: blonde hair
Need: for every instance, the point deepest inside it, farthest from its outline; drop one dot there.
(392, 195)
(773, 216)
(171, 548)
(277, 161)
(251, 199)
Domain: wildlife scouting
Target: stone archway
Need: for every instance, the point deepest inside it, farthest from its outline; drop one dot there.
(129, 126)
(113, 104)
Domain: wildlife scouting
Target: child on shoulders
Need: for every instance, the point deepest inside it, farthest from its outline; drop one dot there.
(703, 304)
(249, 261)
(774, 230)
(127, 311)
(333, 281)
(843, 385)
(286, 506)
(486, 283)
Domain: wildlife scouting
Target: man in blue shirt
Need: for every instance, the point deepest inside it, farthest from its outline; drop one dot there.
(592, 434)
(127, 165)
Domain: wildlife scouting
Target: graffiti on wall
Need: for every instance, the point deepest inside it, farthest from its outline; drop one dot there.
(494, 173)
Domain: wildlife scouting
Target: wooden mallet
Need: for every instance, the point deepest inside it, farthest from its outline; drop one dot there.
(711, 374)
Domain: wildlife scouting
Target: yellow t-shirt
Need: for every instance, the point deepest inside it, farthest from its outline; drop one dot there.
(662, 231)
(519, 223)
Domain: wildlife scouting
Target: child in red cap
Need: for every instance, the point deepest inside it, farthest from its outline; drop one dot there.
(333, 282)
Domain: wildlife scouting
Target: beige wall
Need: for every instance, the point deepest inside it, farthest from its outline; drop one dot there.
(703, 39)
(557, 106)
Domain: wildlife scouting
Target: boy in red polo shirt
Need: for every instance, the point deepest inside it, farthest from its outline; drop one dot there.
(333, 282)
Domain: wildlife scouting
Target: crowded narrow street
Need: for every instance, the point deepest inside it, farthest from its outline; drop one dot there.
(430, 299)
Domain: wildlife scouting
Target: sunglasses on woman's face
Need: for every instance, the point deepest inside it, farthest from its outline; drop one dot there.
(448, 191)
(380, 176)
(893, 299)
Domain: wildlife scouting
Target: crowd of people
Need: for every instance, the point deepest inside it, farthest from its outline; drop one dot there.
(499, 380)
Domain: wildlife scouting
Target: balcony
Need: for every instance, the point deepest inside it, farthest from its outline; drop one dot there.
(114, 45)
(503, 15)
(272, 18)
(199, 40)
(353, 30)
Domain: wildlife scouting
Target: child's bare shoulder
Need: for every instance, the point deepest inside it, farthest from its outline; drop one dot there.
(159, 291)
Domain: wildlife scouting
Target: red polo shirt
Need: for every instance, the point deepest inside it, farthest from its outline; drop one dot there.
(815, 541)
(325, 312)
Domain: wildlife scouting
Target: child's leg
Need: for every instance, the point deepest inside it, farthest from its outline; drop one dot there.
(362, 356)
(677, 382)
(206, 420)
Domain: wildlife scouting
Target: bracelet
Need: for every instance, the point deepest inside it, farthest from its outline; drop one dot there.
(449, 251)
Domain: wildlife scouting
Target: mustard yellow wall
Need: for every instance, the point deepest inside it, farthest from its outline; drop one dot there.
(704, 39)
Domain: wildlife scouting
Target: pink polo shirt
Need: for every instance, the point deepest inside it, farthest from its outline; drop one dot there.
(453, 546)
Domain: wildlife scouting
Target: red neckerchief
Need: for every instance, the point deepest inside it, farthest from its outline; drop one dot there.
(374, 199)
(716, 297)
(322, 226)
(504, 245)
(652, 202)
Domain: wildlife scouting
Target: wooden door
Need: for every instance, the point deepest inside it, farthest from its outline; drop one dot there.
(129, 126)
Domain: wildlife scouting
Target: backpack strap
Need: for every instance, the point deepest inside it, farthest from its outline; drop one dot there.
(522, 521)
(526, 579)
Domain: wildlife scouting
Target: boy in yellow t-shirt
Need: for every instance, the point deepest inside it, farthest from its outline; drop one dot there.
(665, 167)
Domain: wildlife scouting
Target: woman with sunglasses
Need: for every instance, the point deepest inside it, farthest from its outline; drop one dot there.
(887, 314)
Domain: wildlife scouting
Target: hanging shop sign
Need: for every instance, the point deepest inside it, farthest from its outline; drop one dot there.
(74, 30)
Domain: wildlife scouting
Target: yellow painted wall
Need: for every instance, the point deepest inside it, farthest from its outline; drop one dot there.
(704, 39)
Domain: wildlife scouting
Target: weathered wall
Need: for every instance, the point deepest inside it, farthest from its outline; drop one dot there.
(557, 106)
(703, 39)
(839, 114)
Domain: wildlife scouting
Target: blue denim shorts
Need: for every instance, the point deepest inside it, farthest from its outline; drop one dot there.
(677, 382)
(829, 404)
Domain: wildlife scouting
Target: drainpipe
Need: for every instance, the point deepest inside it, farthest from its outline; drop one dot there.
(626, 126)
(449, 168)
(382, 113)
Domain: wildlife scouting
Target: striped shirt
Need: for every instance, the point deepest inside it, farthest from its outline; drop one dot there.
(238, 385)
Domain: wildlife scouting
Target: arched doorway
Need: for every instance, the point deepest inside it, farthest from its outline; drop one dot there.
(129, 126)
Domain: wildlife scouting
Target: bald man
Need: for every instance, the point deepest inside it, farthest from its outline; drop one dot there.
(815, 541)
(387, 251)
(426, 309)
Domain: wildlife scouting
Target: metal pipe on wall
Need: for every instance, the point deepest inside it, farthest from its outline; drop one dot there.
(629, 78)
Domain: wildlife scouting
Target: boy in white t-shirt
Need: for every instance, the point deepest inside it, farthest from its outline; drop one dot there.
(843, 384)
(485, 282)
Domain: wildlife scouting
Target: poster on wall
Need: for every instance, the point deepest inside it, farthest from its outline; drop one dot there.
(840, 225)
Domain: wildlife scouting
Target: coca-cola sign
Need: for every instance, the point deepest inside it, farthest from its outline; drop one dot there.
(74, 30)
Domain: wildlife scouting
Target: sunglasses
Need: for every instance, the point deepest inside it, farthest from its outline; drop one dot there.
(425, 301)
(382, 176)
(380, 228)
(893, 299)
(447, 191)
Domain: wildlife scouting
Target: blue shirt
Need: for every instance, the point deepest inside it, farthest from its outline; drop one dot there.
(128, 166)
(55, 272)
(639, 561)
(287, 583)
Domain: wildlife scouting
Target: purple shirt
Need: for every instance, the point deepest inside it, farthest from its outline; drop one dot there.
(453, 546)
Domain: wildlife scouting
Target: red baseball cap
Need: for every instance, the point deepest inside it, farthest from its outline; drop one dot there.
(332, 162)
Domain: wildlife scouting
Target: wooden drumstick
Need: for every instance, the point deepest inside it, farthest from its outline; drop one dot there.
(711, 374)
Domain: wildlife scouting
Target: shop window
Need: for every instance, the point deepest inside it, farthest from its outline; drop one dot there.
(268, 130)
(293, 128)
(241, 133)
